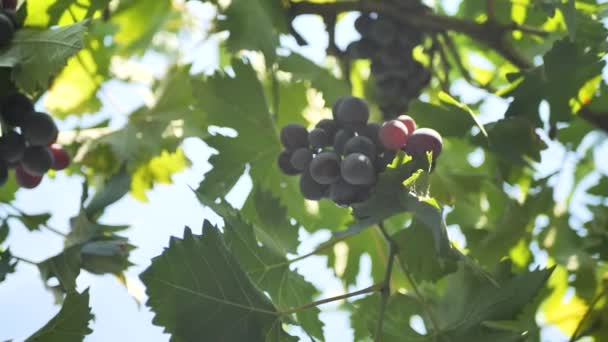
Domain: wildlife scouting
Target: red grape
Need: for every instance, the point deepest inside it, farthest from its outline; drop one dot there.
(26, 180)
(61, 158)
(393, 134)
(408, 121)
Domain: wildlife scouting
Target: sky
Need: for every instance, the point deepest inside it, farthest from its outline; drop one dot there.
(27, 305)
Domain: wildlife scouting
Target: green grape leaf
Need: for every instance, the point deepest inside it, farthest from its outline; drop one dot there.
(33, 222)
(107, 256)
(267, 266)
(254, 25)
(450, 118)
(9, 189)
(470, 300)
(65, 267)
(601, 188)
(274, 229)
(70, 324)
(157, 170)
(514, 140)
(4, 230)
(567, 67)
(114, 189)
(198, 277)
(7, 264)
(396, 327)
(43, 13)
(256, 146)
(32, 73)
(303, 69)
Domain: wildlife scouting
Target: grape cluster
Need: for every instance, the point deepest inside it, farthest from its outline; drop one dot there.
(341, 158)
(8, 21)
(389, 44)
(27, 142)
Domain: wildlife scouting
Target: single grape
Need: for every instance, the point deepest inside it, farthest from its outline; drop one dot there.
(26, 180)
(393, 134)
(383, 31)
(336, 107)
(294, 136)
(301, 158)
(353, 112)
(39, 129)
(423, 140)
(358, 169)
(311, 189)
(284, 162)
(408, 121)
(325, 168)
(362, 49)
(37, 160)
(16, 108)
(3, 173)
(12, 146)
(319, 138)
(343, 193)
(371, 132)
(363, 23)
(341, 138)
(330, 126)
(61, 158)
(7, 29)
(360, 144)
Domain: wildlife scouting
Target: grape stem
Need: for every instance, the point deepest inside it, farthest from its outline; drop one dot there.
(370, 289)
(577, 332)
(27, 261)
(425, 306)
(385, 292)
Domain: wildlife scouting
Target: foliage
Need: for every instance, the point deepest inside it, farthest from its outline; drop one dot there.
(515, 86)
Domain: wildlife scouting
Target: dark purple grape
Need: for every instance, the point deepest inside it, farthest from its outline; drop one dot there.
(311, 189)
(16, 108)
(340, 140)
(3, 173)
(39, 129)
(371, 132)
(336, 107)
(26, 180)
(7, 29)
(358, 169)
(343, 193)
(294, 136)
(330, 126)
(363, 23)
(37, 160)
(319, 138)
(12, 146)
(422, 141)
(353, 112)
(301, 158)
(325, 168)
(360, 144)
(362, 49)
(383, 31)
(284, 163)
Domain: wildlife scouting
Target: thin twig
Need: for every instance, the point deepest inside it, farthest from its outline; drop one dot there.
(445, 64)
(386, 290)
(27, 261)
(587, 314)
(370, 289)
(320, 248)
(425, 306)
(58, 232)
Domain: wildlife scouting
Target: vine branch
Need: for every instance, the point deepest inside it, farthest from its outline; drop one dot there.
(385, 292)
(370, 289)
(27, 261)
(489, 33)
(576, 333)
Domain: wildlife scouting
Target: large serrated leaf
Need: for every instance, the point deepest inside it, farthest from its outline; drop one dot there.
(197, 289)
(71, 324)
(267, 266)
(38, 55)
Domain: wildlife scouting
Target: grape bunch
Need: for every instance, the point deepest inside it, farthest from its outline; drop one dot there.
(389, 45)
(27, 142)
(8, 21)
(341, 158)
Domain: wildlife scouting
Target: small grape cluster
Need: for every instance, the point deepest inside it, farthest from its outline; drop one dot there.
(341, 158)
(27, 142)
(8, 21)
(399, 78)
